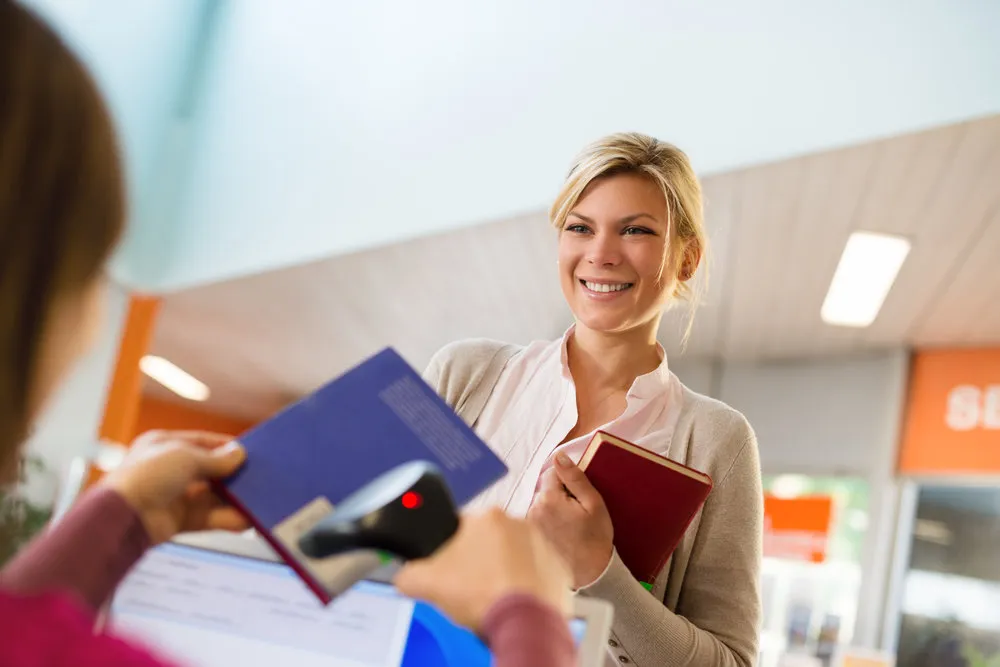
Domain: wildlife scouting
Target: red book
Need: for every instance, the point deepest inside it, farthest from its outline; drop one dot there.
(651, 499)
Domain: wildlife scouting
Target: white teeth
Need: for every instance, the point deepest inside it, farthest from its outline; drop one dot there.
(603, 287)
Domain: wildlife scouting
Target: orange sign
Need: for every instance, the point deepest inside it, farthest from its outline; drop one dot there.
(797, 528)
(953, 413)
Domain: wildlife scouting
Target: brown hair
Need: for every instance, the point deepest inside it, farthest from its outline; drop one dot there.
(61, 202)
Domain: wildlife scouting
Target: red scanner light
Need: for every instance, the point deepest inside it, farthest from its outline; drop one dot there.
(411, 500)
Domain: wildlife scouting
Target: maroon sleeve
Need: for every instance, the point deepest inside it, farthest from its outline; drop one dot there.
(87, 553)
(522, 631)
(53, 630)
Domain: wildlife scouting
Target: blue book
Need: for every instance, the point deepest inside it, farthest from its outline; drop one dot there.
(316, 452)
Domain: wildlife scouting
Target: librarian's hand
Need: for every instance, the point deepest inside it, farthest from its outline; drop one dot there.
(573, 516)
(491, 556)
(165, 478)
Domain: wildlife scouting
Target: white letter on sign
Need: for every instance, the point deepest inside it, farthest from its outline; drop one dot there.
(963, 408)
(991, 407)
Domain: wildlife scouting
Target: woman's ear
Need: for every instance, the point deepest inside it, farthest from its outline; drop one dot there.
(690, 261)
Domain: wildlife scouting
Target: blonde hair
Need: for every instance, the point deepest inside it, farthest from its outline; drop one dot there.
(668, 167)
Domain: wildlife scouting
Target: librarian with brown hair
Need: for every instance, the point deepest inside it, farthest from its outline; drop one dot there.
(62, 211)
(631, 236)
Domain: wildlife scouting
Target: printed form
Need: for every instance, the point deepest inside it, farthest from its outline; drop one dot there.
(208, 609)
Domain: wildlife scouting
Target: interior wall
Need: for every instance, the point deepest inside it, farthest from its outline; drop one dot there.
(840, 416)
(698, 375)
(829, 417)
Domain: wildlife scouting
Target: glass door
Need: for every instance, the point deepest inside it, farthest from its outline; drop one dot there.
(950, 603)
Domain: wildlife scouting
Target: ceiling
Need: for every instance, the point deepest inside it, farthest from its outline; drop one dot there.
(776, 230)
(262, 134)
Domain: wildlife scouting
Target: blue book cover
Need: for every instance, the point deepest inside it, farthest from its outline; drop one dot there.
(313, 454)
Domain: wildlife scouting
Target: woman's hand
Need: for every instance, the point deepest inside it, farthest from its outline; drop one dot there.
(165, 476)
(573, 516)
(491, 556)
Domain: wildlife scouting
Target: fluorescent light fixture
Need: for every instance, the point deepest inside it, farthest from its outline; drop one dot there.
(863, 278)
(173, 378)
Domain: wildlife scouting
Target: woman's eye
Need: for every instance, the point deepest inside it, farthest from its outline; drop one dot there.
(636, 230)
(576, 228)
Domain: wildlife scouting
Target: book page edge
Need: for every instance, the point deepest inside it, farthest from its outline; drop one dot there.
(639, 451)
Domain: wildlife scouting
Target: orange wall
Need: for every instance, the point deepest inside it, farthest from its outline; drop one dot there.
(155, 413)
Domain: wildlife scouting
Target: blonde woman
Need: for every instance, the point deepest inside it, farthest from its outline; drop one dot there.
(631, 236)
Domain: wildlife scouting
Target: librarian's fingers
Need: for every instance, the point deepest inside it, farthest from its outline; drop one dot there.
(415, 578)
(197, 488)
(202, 439)
(220, 462)
(226, 518)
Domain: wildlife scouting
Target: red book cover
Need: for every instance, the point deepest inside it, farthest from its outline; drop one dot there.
(651, 499)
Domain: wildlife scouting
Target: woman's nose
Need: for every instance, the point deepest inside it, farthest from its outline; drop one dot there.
(604, 249)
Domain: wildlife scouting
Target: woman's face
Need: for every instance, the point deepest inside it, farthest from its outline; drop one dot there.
(612, 251)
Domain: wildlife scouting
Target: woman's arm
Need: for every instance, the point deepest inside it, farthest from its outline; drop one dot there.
(159, 487)
(522, 631)
(87, 553)
(717, 621)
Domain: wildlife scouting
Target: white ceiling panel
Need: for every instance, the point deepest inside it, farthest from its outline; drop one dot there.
(944, 212)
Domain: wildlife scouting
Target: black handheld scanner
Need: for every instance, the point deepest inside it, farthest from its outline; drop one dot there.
(407, 512)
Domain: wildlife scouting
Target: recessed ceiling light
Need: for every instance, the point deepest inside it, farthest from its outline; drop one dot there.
(867, 269)
(173, 378)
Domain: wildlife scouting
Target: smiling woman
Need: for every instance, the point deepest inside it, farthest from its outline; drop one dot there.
(631, 236)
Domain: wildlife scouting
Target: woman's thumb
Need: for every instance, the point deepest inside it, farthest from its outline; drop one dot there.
(223, 461)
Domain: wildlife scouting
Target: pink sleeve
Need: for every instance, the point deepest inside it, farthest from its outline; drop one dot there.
(87, 553)
(522, 631)
(52, 630)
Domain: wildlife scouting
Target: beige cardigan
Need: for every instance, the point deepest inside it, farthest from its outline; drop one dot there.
(705, 605)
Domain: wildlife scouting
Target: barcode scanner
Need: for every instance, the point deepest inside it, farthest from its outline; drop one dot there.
(407, 512)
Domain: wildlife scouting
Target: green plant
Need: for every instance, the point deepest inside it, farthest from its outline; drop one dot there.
(20, 519)
(977, 658)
